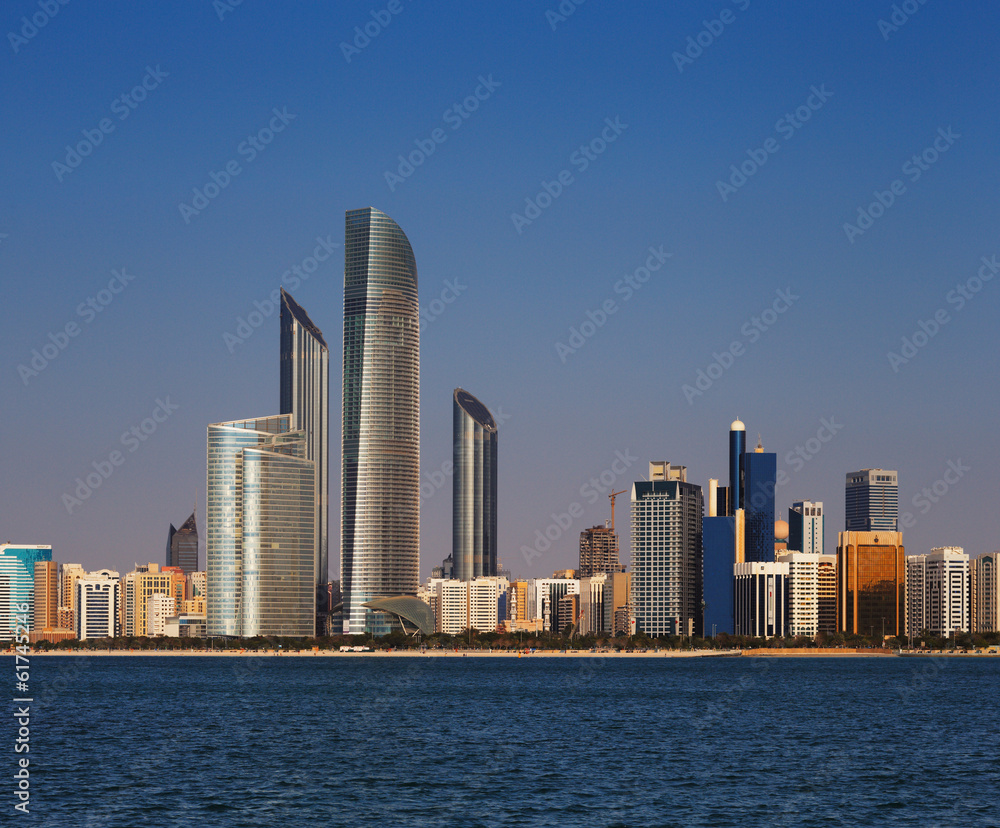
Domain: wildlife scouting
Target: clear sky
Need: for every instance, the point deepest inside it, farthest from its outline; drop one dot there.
(632, 122)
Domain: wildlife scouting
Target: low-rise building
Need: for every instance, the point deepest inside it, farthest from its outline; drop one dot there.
(760, 592)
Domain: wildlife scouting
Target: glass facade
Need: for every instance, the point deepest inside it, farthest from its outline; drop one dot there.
(279, 588)
(871, 575)
(474, 489)
(259, 484)
(305, 394)
(759, 474)
(737, 447)
(17, 585)
(380, 493)
(719, 544)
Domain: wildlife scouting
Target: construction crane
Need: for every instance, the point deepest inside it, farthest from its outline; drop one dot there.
(613, 495)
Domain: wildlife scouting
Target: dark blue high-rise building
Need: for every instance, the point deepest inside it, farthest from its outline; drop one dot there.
(760, 469)
(718, 538)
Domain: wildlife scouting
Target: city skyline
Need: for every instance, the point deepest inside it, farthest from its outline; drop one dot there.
(622, 283)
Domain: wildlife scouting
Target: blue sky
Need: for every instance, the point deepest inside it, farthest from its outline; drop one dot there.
(863, 100)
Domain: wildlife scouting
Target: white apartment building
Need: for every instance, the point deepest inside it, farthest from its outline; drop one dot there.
(159, 608)
(803, 591)
(97, 605)
(461, 605)
(937, 592)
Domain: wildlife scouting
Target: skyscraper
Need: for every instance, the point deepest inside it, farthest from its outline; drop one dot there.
(759, 475)
(182, 546)
(871, 501)
(667, 552)
(737, 447)
(870, 580)
(305, 394)
(380, 495)
(261, 529)
(474, 488)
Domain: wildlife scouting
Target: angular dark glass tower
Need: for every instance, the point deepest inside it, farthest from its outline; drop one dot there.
(474, 488)
(182, 546)
(380, 495)
(305, 395)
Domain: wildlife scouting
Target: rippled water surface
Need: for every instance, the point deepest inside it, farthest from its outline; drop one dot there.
(365, 741)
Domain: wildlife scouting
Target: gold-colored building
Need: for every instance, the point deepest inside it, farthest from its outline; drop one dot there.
(871, 573)
(46, 613)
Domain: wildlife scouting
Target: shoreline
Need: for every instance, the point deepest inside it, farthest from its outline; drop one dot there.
(776, 653)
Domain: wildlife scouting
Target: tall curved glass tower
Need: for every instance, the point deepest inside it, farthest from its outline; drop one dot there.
(474, 489)
(305, 394)
(380, 495)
